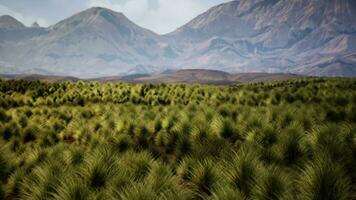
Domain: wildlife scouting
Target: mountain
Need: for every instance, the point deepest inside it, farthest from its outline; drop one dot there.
(92, 43)
(271, 36)
(12, 33)
(309, 37)
(291, 19)
(35, 25)
(13, 30)
(9, 23)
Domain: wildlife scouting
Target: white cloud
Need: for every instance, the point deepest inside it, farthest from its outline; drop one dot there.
(42, 22)
(26, 20)
(7, 11)
(162, 18)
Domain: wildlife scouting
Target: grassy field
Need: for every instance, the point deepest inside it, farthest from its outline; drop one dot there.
(277, 140)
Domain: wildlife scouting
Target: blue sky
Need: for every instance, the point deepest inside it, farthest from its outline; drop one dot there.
(161, 16)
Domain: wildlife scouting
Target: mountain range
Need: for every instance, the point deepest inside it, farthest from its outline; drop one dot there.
(307, 37)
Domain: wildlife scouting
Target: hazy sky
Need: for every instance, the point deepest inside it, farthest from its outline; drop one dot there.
(161, 16)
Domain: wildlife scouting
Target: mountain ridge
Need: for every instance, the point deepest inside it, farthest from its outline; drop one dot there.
(273, 36)
(10, 23)
(92, 39)
(270, 35)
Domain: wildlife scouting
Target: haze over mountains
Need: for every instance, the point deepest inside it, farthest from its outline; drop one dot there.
(309, 37)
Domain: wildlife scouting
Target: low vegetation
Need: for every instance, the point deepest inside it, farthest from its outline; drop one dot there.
(277, 140)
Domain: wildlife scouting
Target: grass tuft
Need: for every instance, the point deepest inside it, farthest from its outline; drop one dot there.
(325, 180)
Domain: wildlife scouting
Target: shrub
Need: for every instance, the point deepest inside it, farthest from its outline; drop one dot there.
(42, 182)
(288, 148)
(227, 193)
(122, 143)
(29, 134)
(3, 116)
(184, 169)
(2, 193)
(204, 177)
(162, 180)
(23, 121)
(5, 166)
(335, 115)
(72, 188)
(183, 147)
(137, 192)
(272, 184)
(137, 164)
(224, 128)
(77, 156)
(9, 130)
(99, 169)
(331, 140)
(244, 169)
(266, 137)
(324, 179)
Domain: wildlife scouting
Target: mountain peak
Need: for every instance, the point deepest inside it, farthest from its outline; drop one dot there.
(101, 11)
(94, 15)
(98, 19)
(8, 22)
(98, 9)
(35, 25)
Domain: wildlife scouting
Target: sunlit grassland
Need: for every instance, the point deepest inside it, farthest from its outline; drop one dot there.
(276, 140)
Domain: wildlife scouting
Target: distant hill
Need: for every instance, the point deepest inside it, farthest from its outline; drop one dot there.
(33, 77)
(189, 76)
(308, 37)
(212, 77)
(200, 76)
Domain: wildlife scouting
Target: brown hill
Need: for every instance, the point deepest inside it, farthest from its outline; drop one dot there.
(189, 76)
(212, 77)
(39, 77)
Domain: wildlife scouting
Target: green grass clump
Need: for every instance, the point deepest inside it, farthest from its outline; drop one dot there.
(2, 193)
(271, 184)
(9, 130)
(89, 140)
(227, 193)
(5, 167)
(324, 179)
(204, 178)
(243, 169)
(41, 182)
(71, 189)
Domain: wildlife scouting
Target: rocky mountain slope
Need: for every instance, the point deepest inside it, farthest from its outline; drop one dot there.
(310, 37)
(301, 36)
